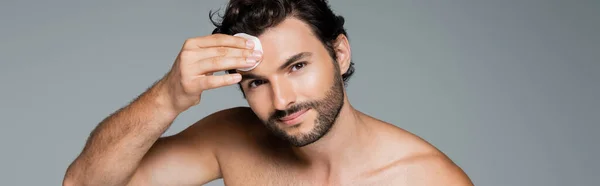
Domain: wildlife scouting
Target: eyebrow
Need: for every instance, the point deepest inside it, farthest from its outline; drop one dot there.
(294, 58)
(287, 63)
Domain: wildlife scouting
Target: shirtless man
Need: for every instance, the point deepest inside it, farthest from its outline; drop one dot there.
(300, 128)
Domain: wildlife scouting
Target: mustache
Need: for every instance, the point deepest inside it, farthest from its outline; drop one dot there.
(277, 114)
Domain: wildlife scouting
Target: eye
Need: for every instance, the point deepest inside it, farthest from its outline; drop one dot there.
(298, 66)
(255, 83)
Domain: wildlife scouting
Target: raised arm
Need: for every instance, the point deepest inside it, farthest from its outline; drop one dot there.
(125, 147)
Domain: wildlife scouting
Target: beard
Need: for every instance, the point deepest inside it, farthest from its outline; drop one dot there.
(327, 110)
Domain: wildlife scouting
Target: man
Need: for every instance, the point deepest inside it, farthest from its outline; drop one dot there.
(300, 128)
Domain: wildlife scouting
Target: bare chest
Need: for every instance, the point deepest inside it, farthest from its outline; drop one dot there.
(262, 173)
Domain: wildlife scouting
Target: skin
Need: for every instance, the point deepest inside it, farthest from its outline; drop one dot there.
(245, 146)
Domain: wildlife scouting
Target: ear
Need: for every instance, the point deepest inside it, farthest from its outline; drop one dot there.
(341, 46)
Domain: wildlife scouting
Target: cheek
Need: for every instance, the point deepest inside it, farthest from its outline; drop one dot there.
(311, 82)
(307, 80)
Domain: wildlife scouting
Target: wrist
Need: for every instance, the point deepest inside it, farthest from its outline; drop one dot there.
(161, 100)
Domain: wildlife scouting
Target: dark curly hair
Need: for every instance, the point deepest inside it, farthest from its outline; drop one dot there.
(255, 16)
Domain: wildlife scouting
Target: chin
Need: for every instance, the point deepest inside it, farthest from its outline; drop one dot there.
(311, 128)
(298, 129)
(304, 133)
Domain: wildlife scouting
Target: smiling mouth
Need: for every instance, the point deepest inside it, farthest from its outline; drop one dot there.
(293, 118)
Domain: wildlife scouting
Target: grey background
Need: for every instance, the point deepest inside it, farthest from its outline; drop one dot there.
(508, 88)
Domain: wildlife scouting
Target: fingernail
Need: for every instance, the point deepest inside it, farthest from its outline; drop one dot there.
(251, 59)
(257, 53)
(249, 44)
(236, 77)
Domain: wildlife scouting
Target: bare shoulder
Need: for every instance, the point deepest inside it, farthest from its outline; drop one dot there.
(224, 126)
(433, 169)
(230, 118)
(417, 162)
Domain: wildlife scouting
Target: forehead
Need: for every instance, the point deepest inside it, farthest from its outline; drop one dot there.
(289, 38)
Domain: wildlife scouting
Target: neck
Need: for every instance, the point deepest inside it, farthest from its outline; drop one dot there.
(340, 149)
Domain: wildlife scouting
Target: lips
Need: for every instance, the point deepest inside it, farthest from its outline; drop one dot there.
(293, 116)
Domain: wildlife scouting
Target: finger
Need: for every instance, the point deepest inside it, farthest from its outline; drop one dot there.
(203, 53)
(226, 52)
(211, 82)
(215, 40)
(216, 64)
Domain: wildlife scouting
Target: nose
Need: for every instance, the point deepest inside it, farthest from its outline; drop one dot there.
(283, 94)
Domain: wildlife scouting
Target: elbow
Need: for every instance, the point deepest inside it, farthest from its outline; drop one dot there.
(71, 179)
(72, 176)
(68, 181)
(76, 176)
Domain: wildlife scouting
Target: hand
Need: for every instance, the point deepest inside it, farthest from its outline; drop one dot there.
(199, 58)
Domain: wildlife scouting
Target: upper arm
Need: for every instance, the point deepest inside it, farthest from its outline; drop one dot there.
(173, 161)
(187, 158)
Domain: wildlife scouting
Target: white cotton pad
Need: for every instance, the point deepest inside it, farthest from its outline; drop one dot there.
(257, 46)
